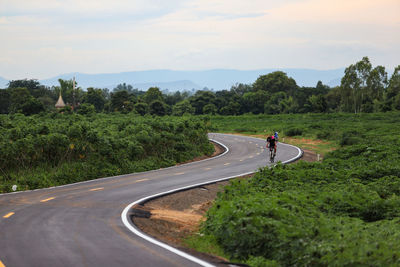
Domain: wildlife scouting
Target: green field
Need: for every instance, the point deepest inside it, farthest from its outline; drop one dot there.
(54, 149)
(342, 211)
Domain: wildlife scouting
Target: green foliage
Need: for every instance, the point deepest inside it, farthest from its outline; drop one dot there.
(275, 82)
(182, 108)
(158, 108)
(86, 109)
(293, 131)
(53, 149)
(342, 211)
(210, 109)
(96, 98)
(153, 94)
(21, 101)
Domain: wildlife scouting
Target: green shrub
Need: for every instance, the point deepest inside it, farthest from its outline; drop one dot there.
(53, 149)
(344, 211)
(294, 131)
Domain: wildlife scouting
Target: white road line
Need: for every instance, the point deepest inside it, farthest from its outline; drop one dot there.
(123, 175)
(131, 227)
(124, 217)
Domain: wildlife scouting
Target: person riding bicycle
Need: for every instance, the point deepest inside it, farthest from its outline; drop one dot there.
(276, 136)
(271, 143)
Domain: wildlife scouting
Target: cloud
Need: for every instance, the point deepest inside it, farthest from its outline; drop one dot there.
(48, 37)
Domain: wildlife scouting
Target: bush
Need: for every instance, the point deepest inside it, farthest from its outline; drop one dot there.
(294, 131)
(56, 149)
(343, 211)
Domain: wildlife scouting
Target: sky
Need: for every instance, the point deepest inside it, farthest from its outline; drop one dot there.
(44, 38)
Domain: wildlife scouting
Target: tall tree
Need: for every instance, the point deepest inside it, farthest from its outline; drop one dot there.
(153, 94)
(254, 102)
(4, 101)
(21, 101)
(394, 84)
(183, 107)
(200, 99)
(377, 82)
(275, 82)
(95, 97)
(122, 101)
(354, 85)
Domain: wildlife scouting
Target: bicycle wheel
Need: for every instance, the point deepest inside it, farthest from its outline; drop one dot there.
(271, 155)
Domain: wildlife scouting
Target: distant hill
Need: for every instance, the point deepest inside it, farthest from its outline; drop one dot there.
(180, 80)
(3, 83)
(171, 86)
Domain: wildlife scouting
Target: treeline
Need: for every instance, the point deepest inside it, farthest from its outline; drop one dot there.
(363, 88)
(53, 149)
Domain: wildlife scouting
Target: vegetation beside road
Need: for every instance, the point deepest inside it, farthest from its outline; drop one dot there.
(341, 211)
(53, 149)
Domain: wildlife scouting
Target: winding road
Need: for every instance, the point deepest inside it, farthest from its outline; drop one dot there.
(87, 224)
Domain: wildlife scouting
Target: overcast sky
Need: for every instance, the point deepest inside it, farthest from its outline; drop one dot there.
(44, 38)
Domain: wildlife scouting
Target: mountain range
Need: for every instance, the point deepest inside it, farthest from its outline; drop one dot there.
(173, 80)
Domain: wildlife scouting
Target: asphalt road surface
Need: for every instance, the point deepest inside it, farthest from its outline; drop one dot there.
(80, 224)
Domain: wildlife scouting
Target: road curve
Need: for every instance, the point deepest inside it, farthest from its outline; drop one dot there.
(80, 224)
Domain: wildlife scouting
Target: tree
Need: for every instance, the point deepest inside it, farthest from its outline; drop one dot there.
(225, 97)
(19, 96)
(172, 99)
(240, 89)
(275, 82)
(94, 97)
(158, 108)
(141, 108)
(122, 101)
(361, 85)
(200, 99)
(233, 108)
(317, 103)
(4, 101)
(254, 101)
(393, 91)
(276, 104)
(377, 82)
(333, 99)
(21, 101)
(33, 86)
(183, 107)
(210, 109)
(86, 109)
(153, 94)
(123, 87)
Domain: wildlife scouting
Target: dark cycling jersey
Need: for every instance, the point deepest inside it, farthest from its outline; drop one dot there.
(271, 141)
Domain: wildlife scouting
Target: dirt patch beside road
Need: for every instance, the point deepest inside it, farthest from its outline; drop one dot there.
(174, 217)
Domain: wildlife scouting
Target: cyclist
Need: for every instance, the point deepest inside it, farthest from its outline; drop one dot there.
(276, 136)
(271, 143)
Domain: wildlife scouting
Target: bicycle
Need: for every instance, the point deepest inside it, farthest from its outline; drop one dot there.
(271, 154)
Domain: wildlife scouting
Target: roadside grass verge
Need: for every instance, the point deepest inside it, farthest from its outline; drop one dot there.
(341, 211)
